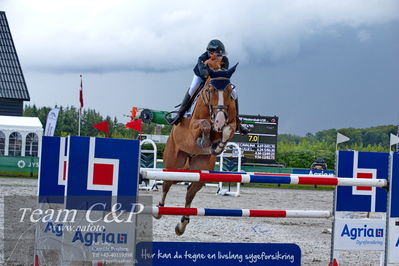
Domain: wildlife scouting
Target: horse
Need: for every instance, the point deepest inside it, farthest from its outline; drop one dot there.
(194, 143)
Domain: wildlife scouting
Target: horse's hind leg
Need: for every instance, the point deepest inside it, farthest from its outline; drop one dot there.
(173, 160)
(165, 189)
(201, 162)
(192, 190)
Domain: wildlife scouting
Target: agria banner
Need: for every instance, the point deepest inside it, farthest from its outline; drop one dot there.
(359, 234)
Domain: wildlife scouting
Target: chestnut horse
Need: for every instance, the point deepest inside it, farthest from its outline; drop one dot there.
(194, 143)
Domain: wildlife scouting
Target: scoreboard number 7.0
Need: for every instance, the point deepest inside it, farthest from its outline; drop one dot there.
(260, 145)
(253, 138)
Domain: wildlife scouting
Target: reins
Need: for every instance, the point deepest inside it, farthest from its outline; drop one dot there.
(213, 108)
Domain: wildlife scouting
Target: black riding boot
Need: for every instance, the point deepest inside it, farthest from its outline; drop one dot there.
(240, 128)
(184, 106)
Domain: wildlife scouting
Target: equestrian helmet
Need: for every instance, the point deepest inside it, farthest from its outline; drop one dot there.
(216, 46)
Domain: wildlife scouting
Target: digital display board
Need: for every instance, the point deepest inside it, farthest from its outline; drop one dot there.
(260, 145)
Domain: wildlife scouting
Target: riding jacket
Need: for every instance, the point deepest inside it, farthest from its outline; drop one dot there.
(200, 68)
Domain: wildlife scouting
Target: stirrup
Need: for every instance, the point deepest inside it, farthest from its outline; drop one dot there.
(173, 120)
(169, 118)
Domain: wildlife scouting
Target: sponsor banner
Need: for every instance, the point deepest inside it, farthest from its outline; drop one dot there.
(101, 186)
(394, 186)
(393, 223)
(393, 246)
(19, 164)
(51, 122)
(313, 172)
(68, 236)
(368, 165)
(53, 169)
(100, 168)
(205, 254)
(100, 236)
(359, 234)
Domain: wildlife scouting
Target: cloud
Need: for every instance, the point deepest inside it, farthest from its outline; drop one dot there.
(106, 36)
(363, 36)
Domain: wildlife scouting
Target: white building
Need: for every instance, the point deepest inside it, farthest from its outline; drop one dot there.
(20, 136)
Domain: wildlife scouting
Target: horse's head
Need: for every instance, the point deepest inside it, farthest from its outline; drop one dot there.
(214, 64)
(219, 96)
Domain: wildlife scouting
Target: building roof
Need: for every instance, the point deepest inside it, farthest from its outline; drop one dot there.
(21, 123)
(12, 81)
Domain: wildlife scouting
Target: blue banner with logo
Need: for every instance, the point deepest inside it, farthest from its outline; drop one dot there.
(206, 254)
(53, 164)
(394, 186)
(393, 218)
(313, 172)
(99, 169)
(367, 165)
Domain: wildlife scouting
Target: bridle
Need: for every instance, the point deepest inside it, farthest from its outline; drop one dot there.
(214, 109)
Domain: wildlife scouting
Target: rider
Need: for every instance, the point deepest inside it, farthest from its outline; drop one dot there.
(214, 51)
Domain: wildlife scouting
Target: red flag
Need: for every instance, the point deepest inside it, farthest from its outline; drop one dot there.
(81, 92)
(134, 112)
(134, 124)
(103, 126)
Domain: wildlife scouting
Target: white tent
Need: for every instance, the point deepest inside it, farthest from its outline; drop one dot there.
(22, 127)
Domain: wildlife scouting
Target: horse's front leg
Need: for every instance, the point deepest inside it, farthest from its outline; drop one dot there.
(227, 134)
(192, 190)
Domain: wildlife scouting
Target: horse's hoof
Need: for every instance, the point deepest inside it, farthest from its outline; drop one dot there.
(158, 216)
(213, 152)
(217, 146)
(179, 231)
(181, 227)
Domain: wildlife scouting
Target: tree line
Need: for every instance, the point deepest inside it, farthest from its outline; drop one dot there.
(300, 152)
(292, 151)
(68, 119)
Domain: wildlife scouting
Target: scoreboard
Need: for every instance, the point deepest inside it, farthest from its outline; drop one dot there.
(260, 145)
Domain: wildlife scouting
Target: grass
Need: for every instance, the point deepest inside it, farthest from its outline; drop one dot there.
(22, 174)
(18, 176)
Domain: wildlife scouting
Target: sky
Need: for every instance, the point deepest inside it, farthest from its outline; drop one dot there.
(316, 64)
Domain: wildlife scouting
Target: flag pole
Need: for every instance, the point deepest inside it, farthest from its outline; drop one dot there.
(79, 122)
(340, 139)
(80, 102)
